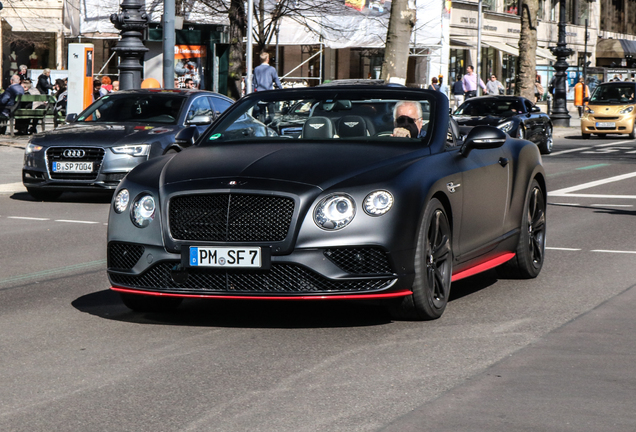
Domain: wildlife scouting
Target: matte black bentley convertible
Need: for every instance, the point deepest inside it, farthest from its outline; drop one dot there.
(374, 198)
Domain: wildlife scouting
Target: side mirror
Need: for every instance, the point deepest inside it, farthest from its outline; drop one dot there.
(483, 137)
(200, 120)
(187, 136)
(535, 109)
(70, 118)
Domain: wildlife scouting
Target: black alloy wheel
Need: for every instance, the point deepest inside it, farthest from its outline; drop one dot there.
(530, 251)
(546, 146)
(433, 268)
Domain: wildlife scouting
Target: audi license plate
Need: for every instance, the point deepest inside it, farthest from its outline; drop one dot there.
(73, 167)
(606, 124)
(225, 257)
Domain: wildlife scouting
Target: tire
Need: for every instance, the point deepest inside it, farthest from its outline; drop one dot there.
(546, 146)
(145, 303)
(433, 268)
(521, 132)
(44, 195)
(632, 134)
(530, 252)
(586, 136)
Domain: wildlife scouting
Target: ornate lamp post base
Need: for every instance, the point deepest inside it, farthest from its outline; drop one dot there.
(130, 48)
(560, 115)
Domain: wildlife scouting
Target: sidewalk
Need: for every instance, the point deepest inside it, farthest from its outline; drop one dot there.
(575, 121)
(19, 141)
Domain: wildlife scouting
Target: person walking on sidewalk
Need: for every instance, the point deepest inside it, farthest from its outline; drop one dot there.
(458, 91)
(264, 78)
(470, 83)
(581, 91)
(494, 87)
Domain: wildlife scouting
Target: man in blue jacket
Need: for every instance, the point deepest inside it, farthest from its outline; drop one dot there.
(8, 97)
(264, 78)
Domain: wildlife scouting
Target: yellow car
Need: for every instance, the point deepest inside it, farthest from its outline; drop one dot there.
(611, 110)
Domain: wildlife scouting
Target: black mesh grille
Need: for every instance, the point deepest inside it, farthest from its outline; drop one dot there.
(360, 261)
(280, 279)
(124, 256)
(230, 217)
(91, 154)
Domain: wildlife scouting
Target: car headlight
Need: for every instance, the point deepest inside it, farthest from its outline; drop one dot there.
(378, 203)
(589, 110)
(132, 150)
(506, 126)
(335, 212)
(121, 200)
(143, 211)
(32, 148)
(627, 110)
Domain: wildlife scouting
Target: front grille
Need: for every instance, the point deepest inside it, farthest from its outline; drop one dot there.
(124, 256)
(280, 279)
(360, 261)
(230, 217)
(114, 177)
(91, 154)
(605, 118)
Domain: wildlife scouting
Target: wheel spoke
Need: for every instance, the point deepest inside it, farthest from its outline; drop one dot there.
(539, 222)
(439, 285)
(441, 251)
(435, 229)
(537, 250)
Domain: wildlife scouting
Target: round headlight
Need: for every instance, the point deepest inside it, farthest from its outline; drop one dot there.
(335, 212)
(378, 203)
(121, 200)
(143, 211)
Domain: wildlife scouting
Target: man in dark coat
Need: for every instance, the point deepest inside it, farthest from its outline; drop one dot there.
(44, 82)
(7, 99)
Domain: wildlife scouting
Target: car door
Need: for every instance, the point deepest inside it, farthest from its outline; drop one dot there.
(485, 190)
(532, 122)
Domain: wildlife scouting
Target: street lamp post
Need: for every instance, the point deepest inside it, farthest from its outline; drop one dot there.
(560, 115)
(131, 21)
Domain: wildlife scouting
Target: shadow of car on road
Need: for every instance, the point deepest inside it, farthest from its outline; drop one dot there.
(70, 197)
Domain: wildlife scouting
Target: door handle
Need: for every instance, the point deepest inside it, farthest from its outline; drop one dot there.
(503, 161)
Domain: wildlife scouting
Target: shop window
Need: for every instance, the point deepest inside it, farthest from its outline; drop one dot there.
(511, 7)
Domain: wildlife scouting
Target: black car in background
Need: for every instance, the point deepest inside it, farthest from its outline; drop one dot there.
(515, 115)
(347, 210)
(113, 135)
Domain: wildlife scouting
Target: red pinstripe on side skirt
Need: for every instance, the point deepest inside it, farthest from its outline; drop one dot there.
(486, 265)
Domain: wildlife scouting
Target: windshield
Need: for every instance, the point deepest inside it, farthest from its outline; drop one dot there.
(613, 94)
(138, 108)
(493, 107)
(352, 116)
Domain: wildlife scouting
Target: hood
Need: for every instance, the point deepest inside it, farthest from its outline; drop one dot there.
(87, 134)
(320, 165)
(489, 120)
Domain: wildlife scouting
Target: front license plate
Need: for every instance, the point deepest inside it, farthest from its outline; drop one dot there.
(72, 166)
(225, 257)
(606, 124)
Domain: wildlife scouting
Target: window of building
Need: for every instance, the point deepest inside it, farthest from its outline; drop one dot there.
(457, 64)
(511, 6)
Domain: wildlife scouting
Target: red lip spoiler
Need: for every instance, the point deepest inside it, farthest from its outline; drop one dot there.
(486, 265)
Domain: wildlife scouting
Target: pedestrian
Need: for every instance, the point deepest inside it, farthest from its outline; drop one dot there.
(494, 87)
(115, 86)
(23, 73)
(97, 87)
(538, 89)
(61, 96)
(189, 83)
(22, 125)
(443, 88)
(581, 91)
(470, 83)
(433, 85)
(458, 91)
(7, 100)
(107, 86)
(44, 82)
(264, 78)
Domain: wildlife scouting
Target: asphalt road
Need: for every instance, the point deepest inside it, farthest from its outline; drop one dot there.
(555, 353)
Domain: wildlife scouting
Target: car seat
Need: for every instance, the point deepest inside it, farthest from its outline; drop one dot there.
(318, 127)
(352, 126)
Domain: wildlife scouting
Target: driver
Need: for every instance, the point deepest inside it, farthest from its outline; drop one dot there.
(408, 120)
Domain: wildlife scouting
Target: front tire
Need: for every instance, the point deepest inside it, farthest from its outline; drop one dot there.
(530, 252)
(632, 134)
(546, 146)
(586, 136)
(146, 303)
(433, 268)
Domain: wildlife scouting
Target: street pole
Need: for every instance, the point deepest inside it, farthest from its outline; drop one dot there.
(477, 79)
(131, 21)
(250, 39)
(168, 43)
(585, 65)
(560, 115)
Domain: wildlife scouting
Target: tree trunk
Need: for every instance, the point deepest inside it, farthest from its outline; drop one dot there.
(527, 73)
(398, 37)
(237, 33)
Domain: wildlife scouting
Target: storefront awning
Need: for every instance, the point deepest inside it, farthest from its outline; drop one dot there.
(460, 44)
(502, 47)
(615, 48)
(36, 25)
(546, 54)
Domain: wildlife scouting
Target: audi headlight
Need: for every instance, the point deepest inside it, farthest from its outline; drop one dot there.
(506, 126)
(121, 200)
(132, 150)
(378, 203)
(627, 110)
(32, 148)
(335, 212)
(143, 211)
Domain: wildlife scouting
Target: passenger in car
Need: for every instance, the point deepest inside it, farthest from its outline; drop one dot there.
(408, 120)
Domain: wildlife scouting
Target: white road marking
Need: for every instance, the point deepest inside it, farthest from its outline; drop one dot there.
(566, 204)
(27, 218)
(611, 205)
(568, 191)
(613, 251)
(562, 249)
(588, 148)
(76, 221)
(614, 143)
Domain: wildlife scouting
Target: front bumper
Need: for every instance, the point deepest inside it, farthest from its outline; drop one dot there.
(617, 124)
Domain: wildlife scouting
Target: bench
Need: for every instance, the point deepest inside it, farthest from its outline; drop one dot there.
(45, 109)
